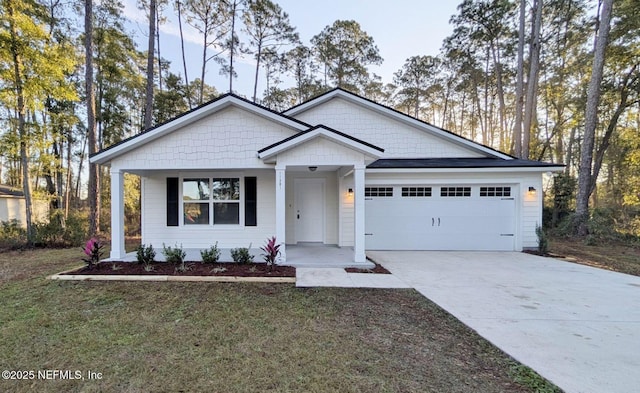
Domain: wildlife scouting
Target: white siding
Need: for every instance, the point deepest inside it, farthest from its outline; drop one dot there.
(531, 210)
(230, 138)
(399, 139)
(155, 230)
(348, 216)
(12, 208)
(331, 204)
(320, 151)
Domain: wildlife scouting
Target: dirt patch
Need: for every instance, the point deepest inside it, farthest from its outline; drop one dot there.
(378, 269)
(192, 269)
(618, 257)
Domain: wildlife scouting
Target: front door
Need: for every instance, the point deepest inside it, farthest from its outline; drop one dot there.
(309, 210)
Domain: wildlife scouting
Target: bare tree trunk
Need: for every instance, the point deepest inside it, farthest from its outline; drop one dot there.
(94, 180)
(67, 186)
(204, 64)
(158, 49)
(148, 105)
(233, 31)
(499, 86)
(532, 81)
(591, 119)
(255, 81)
(184, 59)
(21, 112)
(517, 128)
(623, 104)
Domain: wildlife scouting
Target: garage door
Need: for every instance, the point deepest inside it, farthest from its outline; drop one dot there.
(447, 217)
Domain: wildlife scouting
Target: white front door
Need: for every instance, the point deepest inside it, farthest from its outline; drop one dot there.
(309, 210)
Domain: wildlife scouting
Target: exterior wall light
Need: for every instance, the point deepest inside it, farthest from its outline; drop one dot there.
(313, 168)
(532, 190)
(350, 191)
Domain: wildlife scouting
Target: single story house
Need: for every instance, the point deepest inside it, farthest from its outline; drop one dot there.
(338, 169)
(12, 207)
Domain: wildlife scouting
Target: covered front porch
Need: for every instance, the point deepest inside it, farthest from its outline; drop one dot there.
(325, 204)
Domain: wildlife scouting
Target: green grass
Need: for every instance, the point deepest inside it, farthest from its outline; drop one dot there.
(213, 337)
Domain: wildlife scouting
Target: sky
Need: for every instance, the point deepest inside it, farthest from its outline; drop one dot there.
(400, 29)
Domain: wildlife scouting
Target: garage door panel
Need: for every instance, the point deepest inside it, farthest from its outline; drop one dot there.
(440, 223)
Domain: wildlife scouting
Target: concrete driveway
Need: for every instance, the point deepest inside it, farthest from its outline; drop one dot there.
(577, 326)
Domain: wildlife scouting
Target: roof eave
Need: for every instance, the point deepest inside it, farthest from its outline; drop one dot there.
(319, 132)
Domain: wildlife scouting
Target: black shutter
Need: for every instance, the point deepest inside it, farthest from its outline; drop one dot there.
(250, 205)
(172, 201)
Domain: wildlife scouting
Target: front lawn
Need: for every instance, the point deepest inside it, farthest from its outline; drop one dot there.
(212, 337)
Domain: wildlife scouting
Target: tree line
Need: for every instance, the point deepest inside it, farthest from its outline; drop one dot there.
(553, 80)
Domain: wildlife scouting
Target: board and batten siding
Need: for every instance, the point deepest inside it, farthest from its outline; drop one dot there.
(229, 138)
(400, 140)
(154, 216)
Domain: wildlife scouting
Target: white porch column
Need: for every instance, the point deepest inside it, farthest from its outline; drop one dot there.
(358, 202)
(117, 214)
(281, 207)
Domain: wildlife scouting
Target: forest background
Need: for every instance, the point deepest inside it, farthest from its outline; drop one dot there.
(551, 80)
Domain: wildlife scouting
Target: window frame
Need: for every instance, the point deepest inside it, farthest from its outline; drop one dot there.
(378, 192)
(446, 191)
(416, 191)
(211, 202)
(495, 191)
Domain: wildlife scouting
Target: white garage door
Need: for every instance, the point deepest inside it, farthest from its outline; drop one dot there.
(447, 217)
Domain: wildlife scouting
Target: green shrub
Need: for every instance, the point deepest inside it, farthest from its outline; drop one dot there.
(58, 233)
(210, 255)
(543, 240)
(173, 254)
(145, 254)
(12, 235)
(242, 255)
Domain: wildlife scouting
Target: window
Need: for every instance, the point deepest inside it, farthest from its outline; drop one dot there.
(195, 196)
(416, 191)
(455, 191)
(211, 200)
(378, 191)
(495, 191)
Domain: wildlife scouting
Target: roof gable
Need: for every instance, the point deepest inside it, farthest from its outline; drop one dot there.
(472, 148)
(226, 101)
(320, 131)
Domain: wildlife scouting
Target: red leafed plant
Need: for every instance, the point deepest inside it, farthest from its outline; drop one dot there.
(93, 251)
(271, 252)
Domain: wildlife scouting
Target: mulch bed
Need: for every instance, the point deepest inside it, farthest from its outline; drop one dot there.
(194, 269)
(378, 269)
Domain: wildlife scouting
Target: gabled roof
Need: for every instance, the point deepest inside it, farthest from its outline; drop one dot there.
(224, 101)
(392, 113)
(8, 191)
(320, 131)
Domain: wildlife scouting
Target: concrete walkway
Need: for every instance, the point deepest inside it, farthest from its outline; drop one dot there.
(577, 326)
(338, 277)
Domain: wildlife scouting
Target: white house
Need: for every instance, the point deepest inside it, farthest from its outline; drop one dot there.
(13, 207)
(339, 170)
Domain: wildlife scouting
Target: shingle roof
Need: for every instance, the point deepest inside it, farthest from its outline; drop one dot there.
(458, 163)
(10, 191)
